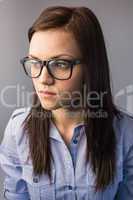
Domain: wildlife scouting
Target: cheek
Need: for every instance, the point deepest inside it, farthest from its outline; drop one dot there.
(70, 85)
(34, 82)
(75, 82)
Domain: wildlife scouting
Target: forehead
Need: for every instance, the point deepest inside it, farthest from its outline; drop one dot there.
(49, 43)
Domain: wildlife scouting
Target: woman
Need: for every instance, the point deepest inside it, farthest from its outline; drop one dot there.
(72, 143)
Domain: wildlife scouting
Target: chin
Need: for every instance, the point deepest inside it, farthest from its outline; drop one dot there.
(49, 106)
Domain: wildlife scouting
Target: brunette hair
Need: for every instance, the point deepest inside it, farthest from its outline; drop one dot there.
(100, 134)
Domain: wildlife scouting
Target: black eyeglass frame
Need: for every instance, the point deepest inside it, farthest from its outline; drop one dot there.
(46, 64)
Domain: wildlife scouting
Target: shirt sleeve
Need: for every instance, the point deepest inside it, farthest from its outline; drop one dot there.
(15, 188)
(125, 190)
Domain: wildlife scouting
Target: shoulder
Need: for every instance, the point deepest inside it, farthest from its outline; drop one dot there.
(124, 131)
(20, 112)
(13, 130)
(16, 131)
(127, 129)
(17, 118)
(125, 122)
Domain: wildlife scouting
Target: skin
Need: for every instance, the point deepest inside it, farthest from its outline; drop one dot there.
(45, 45)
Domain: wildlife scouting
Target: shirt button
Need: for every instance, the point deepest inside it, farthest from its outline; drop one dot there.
(35, 179)
(70, 187)
(75, 141)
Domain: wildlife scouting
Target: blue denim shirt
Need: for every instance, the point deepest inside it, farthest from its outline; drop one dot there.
(71, 178)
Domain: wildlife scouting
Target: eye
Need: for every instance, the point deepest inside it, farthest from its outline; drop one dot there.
(33, 63)
(60, 64)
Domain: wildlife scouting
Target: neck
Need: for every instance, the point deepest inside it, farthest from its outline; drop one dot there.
(66, 119)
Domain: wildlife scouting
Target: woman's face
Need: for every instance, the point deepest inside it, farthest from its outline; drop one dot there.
(52, 43)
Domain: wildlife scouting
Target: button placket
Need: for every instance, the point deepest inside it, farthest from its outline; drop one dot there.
(69, 168)
(76, 136)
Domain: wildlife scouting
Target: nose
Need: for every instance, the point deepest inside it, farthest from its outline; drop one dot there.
(45, 77)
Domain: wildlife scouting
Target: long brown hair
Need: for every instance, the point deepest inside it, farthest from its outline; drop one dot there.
(101, 140)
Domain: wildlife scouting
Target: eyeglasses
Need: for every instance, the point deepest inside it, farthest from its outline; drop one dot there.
(60, 69)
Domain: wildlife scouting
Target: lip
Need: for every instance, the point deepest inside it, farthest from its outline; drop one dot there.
(47, 93)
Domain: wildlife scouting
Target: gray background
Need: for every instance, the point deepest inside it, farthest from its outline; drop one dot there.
(116, 18)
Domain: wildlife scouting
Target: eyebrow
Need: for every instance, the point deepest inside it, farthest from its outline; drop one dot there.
(58, 56)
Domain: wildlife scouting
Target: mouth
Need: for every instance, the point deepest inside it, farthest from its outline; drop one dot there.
(47, 93)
